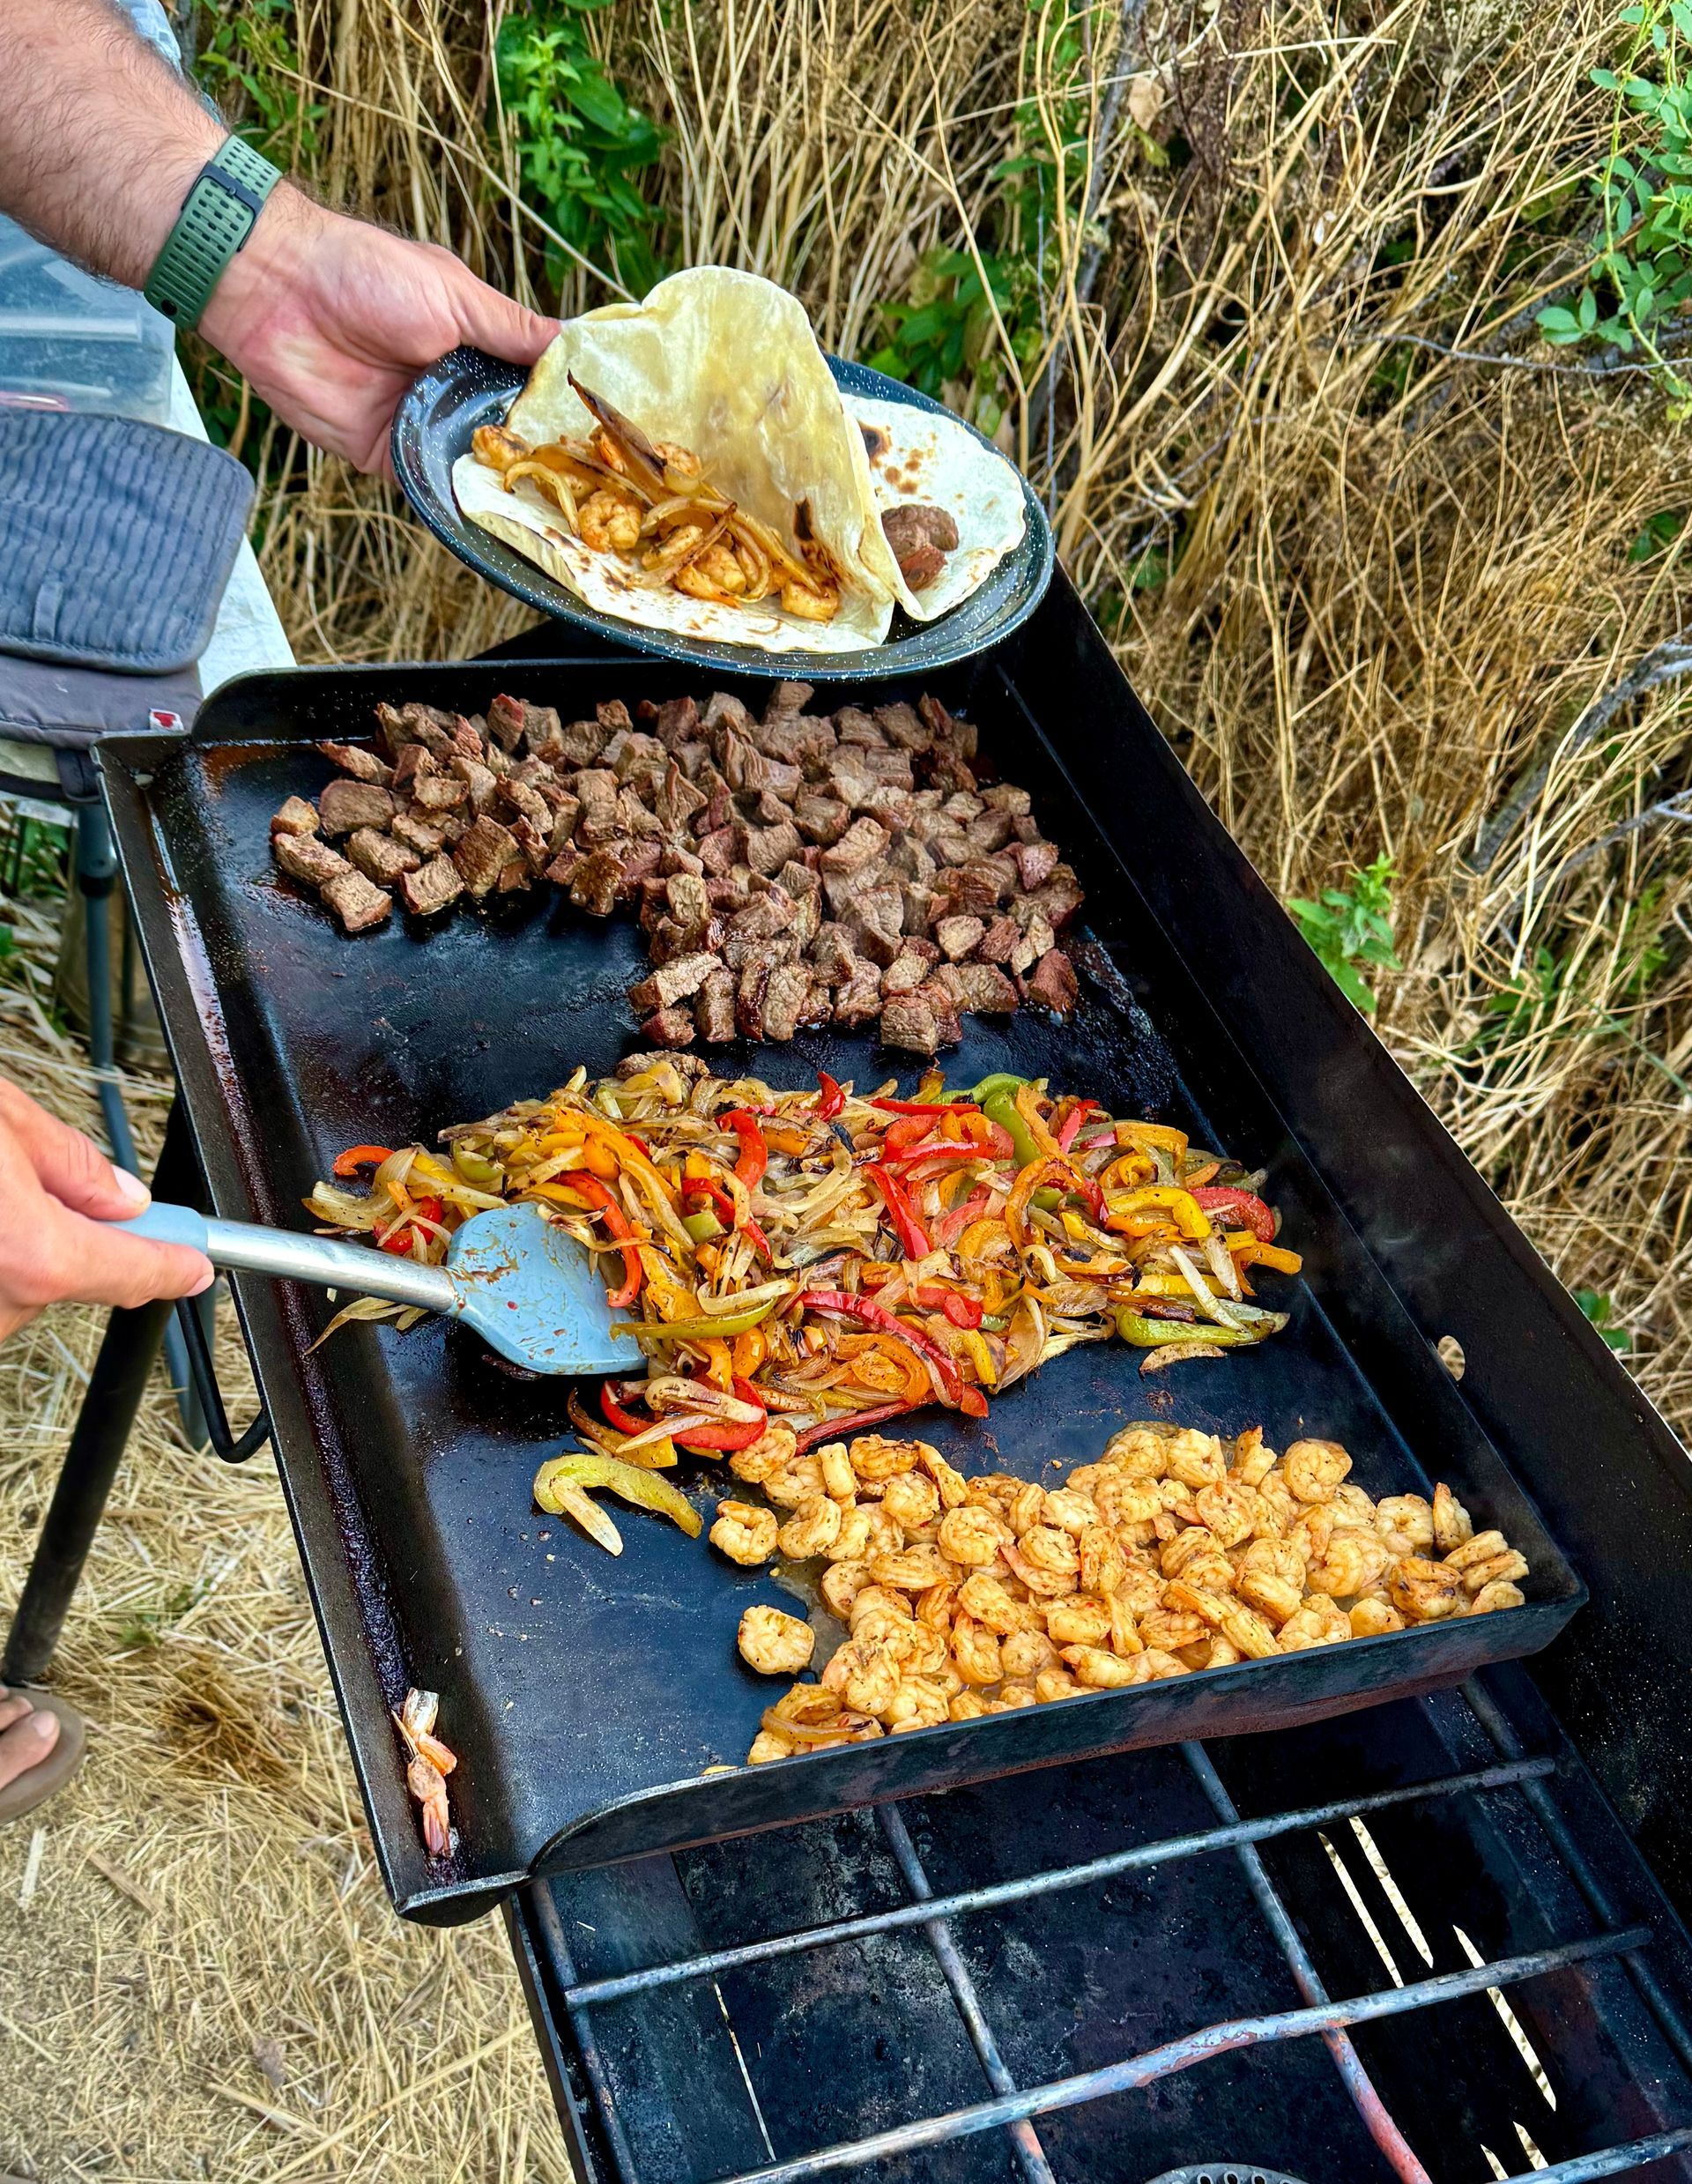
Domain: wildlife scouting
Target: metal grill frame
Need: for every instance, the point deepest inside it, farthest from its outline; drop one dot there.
(558, 1998)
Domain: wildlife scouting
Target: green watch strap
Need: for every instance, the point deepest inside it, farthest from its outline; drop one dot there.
(217, 216)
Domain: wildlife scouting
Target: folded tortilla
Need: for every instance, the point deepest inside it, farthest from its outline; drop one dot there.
(725, 364)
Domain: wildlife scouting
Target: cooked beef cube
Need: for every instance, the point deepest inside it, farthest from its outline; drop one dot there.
(477, 778)
(784, 1000)
(677, 860)
(468, 738)
(719, 805)
(900, 725)
(669, 1028)
(431, 886)
(1059, 899)
(818, 1007)
(875, 921)
(678, 800)
(794, 739)
(919, 945)
(755, 974)
(1052, 983)
(763, 917)
(398, 725)
(417, 830)
(919, 564)
(380, 857)
(909, 859)
(497, 761)
(892, 766)
(997, 943)
(675, 721)
(483, 853)
(722, 712)
(534, 772)
(641, 861)
(821, 818)
(598, 789)
(799, 878)
(713, 1007)
(992, 831)
(308, 857)
(537, 846)
(513, 877)
(631, 754)
(981, 884)
(1003, 797)
(1036, 939)
(635, 815)
(958, 935)
(671, 982)
(946, 728)
(413, 763)
(766, 849)
(439, 793)
(361, 765)
(504, 722)
(807, 915)
(690, 899)
(296, 816)
(859, 1002)
(833, 954)
(841, 890)
(613, 715)
(947, 770)
(716, 851)
(355, 901)
(1027, 828)
(788, 697)
(922, 905)
(944, 1003)
(904, 974)
(346, 805)
(579, 743)
(892, 805)
(562, 869)
(1035, 862)
(851, 780)
(524, 802)
(861, 844)
(979, 988)
(951, 849)
(910, 1023)
(747, 771)
(565, 819)
(455, 826)
(599, 879)
(858, 730)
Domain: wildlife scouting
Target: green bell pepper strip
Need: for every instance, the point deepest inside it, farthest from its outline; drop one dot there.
(999, 1106)
(703, 1227)
(1151, 1334)
(647, 1489)
(698, 1330)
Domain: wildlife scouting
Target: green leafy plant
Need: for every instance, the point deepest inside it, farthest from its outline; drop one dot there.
(1640, 276)
(579, 142)
(1351, 929)
(248, 59)
(1600, 1311)
(147, 1626)
(1658, 533)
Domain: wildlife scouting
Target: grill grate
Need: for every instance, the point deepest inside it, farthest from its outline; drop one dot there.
(1622, 2067)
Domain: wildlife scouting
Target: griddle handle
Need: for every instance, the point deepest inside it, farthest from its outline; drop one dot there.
(322, 1261)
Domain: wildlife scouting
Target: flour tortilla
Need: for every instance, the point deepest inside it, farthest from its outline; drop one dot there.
(725, 365)
(918, 456)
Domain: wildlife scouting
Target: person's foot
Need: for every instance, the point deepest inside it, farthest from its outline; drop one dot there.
(27, 1734)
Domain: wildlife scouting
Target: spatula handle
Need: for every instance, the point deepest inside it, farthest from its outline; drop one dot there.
(320, 1260)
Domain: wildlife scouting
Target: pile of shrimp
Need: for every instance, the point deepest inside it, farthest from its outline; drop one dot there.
(1169, 1556)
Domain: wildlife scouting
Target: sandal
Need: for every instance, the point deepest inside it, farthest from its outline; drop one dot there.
(35, 1785)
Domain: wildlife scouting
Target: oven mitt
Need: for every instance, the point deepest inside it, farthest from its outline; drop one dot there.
(118, 539)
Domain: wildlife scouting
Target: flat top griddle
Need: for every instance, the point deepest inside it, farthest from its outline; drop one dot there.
(588, 1699)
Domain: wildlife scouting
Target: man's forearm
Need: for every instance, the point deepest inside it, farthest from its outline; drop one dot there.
(100, 138)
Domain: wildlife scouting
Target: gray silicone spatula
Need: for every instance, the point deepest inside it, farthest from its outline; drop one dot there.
(527, 1288)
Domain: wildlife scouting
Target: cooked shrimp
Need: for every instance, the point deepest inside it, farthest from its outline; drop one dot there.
(774, 1644)
(812, 1529)
(743, 1533)
(1313, 1469)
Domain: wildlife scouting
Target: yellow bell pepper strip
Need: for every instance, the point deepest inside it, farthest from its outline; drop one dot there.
(1027, 1102)
(635, 1163)
(1149, 1335)
(1164, 1202)
(703, 1329)
(646, 1490)
(1271, 1255)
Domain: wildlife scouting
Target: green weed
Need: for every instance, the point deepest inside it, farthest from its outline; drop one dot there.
(147, 1626)
(1658, 533)
(247, 60)
(1600, 1309)
(1351, 929)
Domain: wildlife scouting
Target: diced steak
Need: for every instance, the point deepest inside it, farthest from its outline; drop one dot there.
(597, 787)
(875, 919)
(361, 765)
(439, 793)
(904, 975)
(355, 901)
(427, 725)
(767, 849)
(713, 1007)
(296, 816)
(943, 1002)
(417, 830)
(525, 802)
(308, 857)
(861, 844)
(579, 744)
(1035, 861)
(788, 697)
(346, 805)
(901, 726)
(413, 761)
(1002, 796)
(784, 1000)
(992, 831)
(431, 886)
(675, 721)
(597, 880)
(380, 857)
(958, 936)
(673, 981)
(859, 1001)
(910, 1023)
(1052, 983)
(821, 817)
(536, 846)
(689, 898)
(980, 988)
(477, 778)
(764, 917)
(998, 942)
(483, 854)
(670, 1026)
(678, 800)
(833, 954)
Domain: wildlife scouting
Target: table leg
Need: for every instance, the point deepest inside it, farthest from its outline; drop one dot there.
(102, 1432)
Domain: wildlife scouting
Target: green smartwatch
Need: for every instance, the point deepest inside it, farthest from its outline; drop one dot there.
(218, 215)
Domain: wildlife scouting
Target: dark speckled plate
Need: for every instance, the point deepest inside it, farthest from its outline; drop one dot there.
(446, 404)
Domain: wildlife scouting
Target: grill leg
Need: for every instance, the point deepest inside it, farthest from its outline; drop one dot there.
(115, 1387)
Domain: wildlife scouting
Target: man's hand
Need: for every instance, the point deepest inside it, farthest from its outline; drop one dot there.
(331, 320)
(58, 1192)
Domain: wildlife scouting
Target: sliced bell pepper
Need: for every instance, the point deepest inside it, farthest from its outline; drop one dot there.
(646, 1490)
(1148, 1335)
(1271, 1255)
(1000, 1080)
(755, 1153)
(962, 1311)
(950, 1227)
(1072, 1121)
(877, 1316)
(476, 1169)
(831, 1100)
(600, 1197)
(841, 1423)
(1155, 1202)
(960, 1105)
(704, 1226)
(704, 1328)
(1226, 1198)
(1000, 1108)
(1054, 1171)
(624, 1421)
(398, 1240)
(913, 1237)
(360, 1156)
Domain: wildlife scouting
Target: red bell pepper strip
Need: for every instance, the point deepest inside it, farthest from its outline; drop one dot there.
(598, 1196)
(846, 1422)
(913, 1237)
(831, 1100)
(962, 1311)
(357, 1157)
(759, 1242)
(1217, 1198)
(725, 1436)
(624, 1421)
(925, 1107)
(400, 1240)
(877, 1316)
(904, 1133)
(947, 1230)
(942, 1148)
(1072, 1123)
(702, 1186)
(754, 1154)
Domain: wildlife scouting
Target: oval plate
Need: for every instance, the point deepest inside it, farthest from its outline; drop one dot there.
(444, 405)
